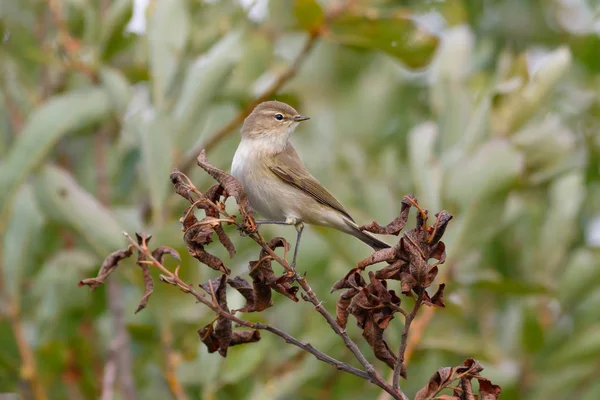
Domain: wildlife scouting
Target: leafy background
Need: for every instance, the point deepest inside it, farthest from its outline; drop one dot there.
(489, 110)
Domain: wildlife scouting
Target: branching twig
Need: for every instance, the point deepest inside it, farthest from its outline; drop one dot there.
(174, 279)
(371, 302)
(374, 376)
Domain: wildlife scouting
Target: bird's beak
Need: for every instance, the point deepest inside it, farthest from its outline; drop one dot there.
(300, 118)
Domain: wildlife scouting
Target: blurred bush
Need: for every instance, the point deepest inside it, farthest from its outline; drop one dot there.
(486, 109)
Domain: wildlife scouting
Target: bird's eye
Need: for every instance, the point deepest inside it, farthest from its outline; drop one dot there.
(278, 117)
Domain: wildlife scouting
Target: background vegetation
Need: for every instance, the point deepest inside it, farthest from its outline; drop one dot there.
(488, 109)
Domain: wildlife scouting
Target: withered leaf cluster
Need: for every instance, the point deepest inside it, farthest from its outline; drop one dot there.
(221, 337)
(199, 233)
(373, 304)
(464, 390)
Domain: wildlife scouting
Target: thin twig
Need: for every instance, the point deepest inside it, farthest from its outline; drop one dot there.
(374, 376)
(14, 114)
(70, 44)
(28, 365)
(173, 383)
(29, 372)
(286, 75)
(400, 367)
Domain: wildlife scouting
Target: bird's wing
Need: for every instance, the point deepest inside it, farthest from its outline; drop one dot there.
(288, 166)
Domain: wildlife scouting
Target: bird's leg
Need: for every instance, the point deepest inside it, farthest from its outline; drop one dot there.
(299, 227)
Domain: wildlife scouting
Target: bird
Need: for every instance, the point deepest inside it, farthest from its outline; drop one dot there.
(277, 183)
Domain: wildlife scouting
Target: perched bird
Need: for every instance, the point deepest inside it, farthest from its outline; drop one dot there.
(278, 185)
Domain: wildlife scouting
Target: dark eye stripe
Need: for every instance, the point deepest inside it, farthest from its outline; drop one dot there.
(278, 117)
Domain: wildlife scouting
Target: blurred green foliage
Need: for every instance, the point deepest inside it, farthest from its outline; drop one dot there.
(489, 110)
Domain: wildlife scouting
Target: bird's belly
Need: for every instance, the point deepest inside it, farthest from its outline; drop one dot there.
(266, 199)
(263, 191)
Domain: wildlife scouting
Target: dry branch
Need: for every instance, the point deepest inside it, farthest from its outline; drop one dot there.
(372, 301)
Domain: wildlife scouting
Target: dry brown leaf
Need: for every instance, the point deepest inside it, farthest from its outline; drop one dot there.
(223, 332)
(241, 337)
(214, 193)
(487, 390)
(342, 305)
(108, 266)
(373, 334)
(207, 336)
(394, 227)
(244, 288)
(233, 188)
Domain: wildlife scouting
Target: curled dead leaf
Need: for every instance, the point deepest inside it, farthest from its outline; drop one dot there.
(373, 334)
(394, 227)
(214, 194)
(241, 337)
(233, 188)
(108, 266)
(487, 390)
(244, 288)
(342, 305)
(264, 278)
(223, 332)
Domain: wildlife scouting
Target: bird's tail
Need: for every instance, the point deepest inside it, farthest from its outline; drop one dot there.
(366, 237)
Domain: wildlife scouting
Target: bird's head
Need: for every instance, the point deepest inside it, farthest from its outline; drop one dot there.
(271, 120)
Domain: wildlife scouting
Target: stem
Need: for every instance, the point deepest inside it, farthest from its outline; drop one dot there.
(173, 383)
(400, 367)
(28, 370)
(374, 376)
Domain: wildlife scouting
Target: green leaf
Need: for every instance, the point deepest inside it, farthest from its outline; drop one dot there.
(118, 89)
(397, 35)
(517, 107)
(45, 126)
(511, 287)
(532, 332)
(113, 37)
(566, 195)
(309, 14)
(157, 157)
(425, 169)
(64, 201)
(168, 32)
(24, 223)
(581, 275)
(204, 78)
(545, 144)
(582, 346)
(494, 167)
(54, 287)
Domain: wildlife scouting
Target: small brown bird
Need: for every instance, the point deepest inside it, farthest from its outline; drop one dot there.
(278, 185)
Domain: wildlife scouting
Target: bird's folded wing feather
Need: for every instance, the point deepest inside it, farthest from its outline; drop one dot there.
(288, 166)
